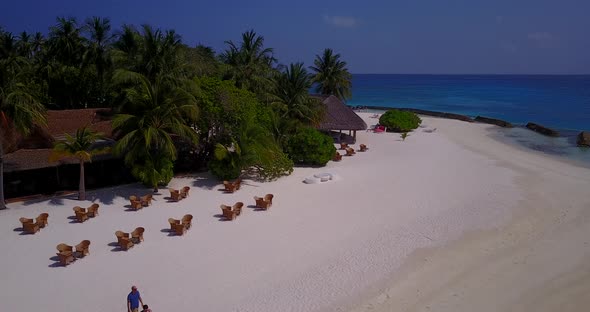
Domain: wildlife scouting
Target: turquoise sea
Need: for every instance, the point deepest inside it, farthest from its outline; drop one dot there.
(559, 102)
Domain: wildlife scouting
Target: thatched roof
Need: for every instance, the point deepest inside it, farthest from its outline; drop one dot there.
(339, 116)
(34, 150)
(61, 122)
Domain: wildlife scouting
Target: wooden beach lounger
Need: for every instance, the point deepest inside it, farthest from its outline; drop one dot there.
(264, 202)
(350, 151)
(123, 240)
(176, 226)
(137, 235)
(228, 213)
(237, 208)
(184, 191)
(81, 214)
(42, 220)
(337, 157)
(146, 200)
(29, 226)
(93, 210)
(343, 146)
(83, 249)
(65, 254)
(187, 221)
(175, 195)
(363, 148)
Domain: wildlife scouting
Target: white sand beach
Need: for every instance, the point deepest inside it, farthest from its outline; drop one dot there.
(446, 221)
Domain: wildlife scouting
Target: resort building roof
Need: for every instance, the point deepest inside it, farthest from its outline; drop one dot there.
(339, 116)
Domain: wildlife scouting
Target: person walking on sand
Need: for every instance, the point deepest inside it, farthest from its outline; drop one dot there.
(133, 300)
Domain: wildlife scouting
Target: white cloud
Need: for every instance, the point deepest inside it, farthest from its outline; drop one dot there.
(540, 36)
(341, 21)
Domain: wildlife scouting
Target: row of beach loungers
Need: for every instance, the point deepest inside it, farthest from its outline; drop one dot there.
(232, 212)
(349, 151)
(67, 254)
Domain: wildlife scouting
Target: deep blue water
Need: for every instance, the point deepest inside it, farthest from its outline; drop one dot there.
(555, 101)
(559, 102)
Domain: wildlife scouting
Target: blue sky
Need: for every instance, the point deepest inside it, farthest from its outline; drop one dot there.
(407, 36)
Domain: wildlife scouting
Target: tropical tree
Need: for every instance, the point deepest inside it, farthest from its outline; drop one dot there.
(331, 76)
(65, 42)
(97, 54)
(249, 62)
(19, 108)
(154, 112)
(291, 95)
(82, 147)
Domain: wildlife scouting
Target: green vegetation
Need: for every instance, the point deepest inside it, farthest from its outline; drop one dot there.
(80, 147)
(311, 147)
(331, 75)
(176, 106)
(400, 121)
(404, 135)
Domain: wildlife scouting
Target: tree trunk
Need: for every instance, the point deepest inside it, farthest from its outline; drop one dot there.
(2, 202)
(82, 188)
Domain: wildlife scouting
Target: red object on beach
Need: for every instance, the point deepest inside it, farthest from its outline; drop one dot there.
(379, 128)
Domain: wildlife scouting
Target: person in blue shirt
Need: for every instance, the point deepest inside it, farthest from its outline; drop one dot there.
(133, 300)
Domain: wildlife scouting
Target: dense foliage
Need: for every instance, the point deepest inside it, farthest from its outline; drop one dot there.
(400, 121)
(311, 147)
(175, 105)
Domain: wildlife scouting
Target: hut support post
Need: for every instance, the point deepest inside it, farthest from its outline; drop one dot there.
(354, 136)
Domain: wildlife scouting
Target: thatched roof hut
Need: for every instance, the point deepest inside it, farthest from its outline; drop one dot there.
(339, 116)
(32, 152)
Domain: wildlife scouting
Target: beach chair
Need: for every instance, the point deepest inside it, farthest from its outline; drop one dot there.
(123, 240)
(268, 198)
(65, 258)
(175, 195)
(350, 151)
(29, 226)
(65, 254)
(187, 221)
(337, 157)
(92, 211)
(81, 215)
(82, 249)
(146, 200)
(363, 148)
(184, 191)
(228, 213)
(230, 187)
(136, 205)
(176, 226)
(237, 208)
(343, 146)
(238, 183)
(137, 235)
(42, 220)
(264, 202)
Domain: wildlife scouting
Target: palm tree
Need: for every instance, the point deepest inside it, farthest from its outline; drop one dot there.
(65, 42)
(331, 76)
(19, 108)
(97, 53)
(155, 111)
(80, 147)
(25, 45)
(250, 64)
(291, 95)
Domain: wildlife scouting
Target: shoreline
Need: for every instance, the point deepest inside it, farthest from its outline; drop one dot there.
(437, 278)
(583, 163)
